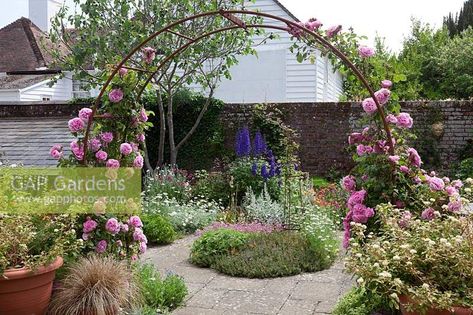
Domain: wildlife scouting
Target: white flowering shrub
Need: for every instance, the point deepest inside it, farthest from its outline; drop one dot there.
(262, 208)
(187, 216)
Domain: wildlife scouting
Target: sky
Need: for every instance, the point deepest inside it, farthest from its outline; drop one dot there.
(388, 18)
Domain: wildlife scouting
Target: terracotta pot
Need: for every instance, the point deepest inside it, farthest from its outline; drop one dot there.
(405, 300)
(26, 292)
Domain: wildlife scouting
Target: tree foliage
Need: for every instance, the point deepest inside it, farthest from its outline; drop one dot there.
(461, 21)
(104, 31)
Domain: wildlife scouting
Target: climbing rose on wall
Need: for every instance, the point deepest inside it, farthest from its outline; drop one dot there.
(115, 95)
(365, 51)
(369, 105)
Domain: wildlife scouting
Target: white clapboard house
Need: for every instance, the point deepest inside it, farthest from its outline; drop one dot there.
(273, 76)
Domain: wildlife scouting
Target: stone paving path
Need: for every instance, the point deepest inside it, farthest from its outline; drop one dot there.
(212, 293)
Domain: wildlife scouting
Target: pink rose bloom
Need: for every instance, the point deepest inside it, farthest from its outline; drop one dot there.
(446, 180)
(355, 137)
(406, 217)
(394, 159)
(56, 147)
(404, 169)
(95, 145)
(386, 84)
(404, 120)
(76, 125)
(428, 214)
(436, 183)
(77, 150)
(296, 31)
(112, 163)
(125, 148)
(369, 105)
(457, 184)
(333, 30)
(454, 206)
(361, 213)
(391, 119)
(451, 191)
(414, 157)
(363, 149)
(134, 257)
(432, 173)
(140, 138)
(134, 146)
(89, 226)
(135, 221)
(55, 154)
(143, 247)
(417, 180)
(357, 198)
(143, 116)
(149, 54)
(400, 204)
(138, 161)
(85, 114)
(124, 227)
(349, 183)
(101, 155)
(365, 51)
(122, 72)
(85, 236)
(106, 137)
(101, 246)
(313, 24)
(139, 236)
(112, 226)
(383, 96)
(115, 95)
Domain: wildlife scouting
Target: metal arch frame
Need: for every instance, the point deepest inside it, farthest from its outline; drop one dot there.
(238, 24)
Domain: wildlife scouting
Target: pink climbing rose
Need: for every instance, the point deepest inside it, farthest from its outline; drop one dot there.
(369, 105)
(361, 213)
(394, 159)
(126, 148)
(101, 155)
(404, 169)
(149, 53)
(143, 116)
(101, 246)
(76, 125)
(115, 95)
(95, 144)
(106, 137)
(85, 114)
(138, 162)
(112, 226)
(436, 183)
(356, 198)
(387, 84)
(89, 226)
(112, 163)
(391, 119)
(383, 96)
(404, 120)
(365, 51)
(451, 191)
(355, 137)
(333, 30)
(349, 183)
(428, 214)
(454, 206)
(414, 157)
(313, 24)
(135, 221)
(122, 72)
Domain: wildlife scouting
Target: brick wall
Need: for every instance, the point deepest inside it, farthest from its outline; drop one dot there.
(324, 127)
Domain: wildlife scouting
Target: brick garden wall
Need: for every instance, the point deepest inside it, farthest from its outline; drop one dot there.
(323, 129)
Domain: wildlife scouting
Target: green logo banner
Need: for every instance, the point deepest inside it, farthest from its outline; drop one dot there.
(70, 190)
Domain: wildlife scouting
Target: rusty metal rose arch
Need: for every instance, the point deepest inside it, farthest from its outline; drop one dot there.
(286, 26)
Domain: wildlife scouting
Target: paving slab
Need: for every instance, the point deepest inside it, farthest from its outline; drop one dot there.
(212, 293)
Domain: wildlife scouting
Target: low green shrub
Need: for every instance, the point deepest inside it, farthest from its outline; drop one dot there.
(213, 186)
(216, 243)
(158, 229)
(259, 255)
(158, 293)
(358, 301)
(319, 182)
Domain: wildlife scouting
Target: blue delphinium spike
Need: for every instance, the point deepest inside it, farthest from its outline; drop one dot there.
(254, 169)
(259, 145)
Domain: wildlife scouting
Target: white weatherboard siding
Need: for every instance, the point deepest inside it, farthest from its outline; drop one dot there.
(61, 91)
(9, 95)
(276, 75)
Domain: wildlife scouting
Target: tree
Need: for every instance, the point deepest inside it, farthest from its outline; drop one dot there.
(106, 30)
(461, 21)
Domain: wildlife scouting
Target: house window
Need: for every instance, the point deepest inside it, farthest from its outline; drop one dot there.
(79, 89)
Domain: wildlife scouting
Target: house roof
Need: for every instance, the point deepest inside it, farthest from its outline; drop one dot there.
(17, 82)
(24, 47)
(27, 140)
(286, 10)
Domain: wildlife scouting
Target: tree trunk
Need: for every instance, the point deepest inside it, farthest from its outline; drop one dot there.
(162, 130)
(172, 144)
